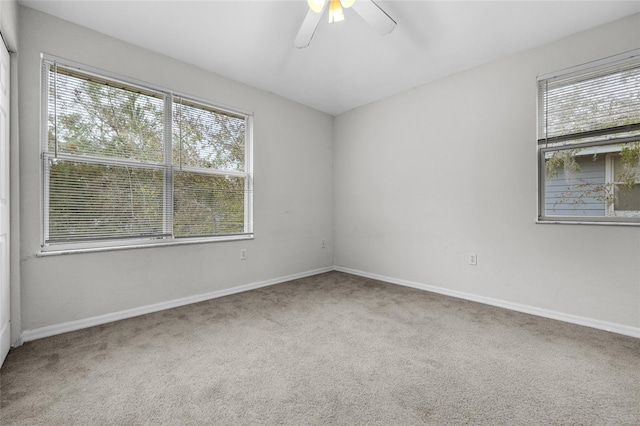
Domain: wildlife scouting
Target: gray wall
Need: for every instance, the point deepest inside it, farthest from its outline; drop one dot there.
(292, 195)
(430, 175)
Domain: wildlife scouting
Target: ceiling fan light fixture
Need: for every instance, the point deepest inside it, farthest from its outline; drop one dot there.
(373, 14)
(316, 5)
(335, 11)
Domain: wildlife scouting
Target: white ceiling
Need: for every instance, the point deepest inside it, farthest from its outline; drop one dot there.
(347, 64)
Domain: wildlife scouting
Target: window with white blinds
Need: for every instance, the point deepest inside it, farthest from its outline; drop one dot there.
(588, 117)
(127, 164)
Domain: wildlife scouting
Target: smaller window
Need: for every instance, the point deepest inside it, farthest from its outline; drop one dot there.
(589, 143)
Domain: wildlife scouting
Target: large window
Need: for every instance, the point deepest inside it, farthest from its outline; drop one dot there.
(126, 164)
(589, 143)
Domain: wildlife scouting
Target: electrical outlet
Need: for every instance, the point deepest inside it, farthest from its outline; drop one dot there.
(323, 243)
(473, 259)
(243, 254)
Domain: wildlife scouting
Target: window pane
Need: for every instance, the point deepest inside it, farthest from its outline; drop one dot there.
(601, 100)
(628, 200)
(94, 117)
(581, 181)
(575, 183)
(207, 204)
(207, 138)
(97, 201)
(627, 181)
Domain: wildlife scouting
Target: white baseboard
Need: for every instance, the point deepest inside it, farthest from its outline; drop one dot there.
(574, 319)
(52, 330)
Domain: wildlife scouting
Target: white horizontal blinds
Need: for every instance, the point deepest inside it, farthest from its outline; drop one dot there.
(209, 170)
(89, 201)
(208, 138)
(103, 160)
(207, 204)
(591, 104)
(97, 117)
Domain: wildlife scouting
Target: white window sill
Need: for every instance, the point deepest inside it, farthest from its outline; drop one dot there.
(60, 249)
(584, 222)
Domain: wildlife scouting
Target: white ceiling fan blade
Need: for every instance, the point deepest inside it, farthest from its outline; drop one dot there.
(374, 16)
(307, 29)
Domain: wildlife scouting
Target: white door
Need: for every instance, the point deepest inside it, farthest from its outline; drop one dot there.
(5, 329)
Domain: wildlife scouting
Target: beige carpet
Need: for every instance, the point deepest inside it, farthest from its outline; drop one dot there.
(329, 349)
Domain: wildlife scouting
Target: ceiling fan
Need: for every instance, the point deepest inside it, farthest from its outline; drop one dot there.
(367, 9)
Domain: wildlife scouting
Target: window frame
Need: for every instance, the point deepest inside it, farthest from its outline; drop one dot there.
(544, 149)
(167, 165)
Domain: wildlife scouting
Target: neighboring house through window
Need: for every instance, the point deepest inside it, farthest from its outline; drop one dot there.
(125, 164)
(589, 143)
